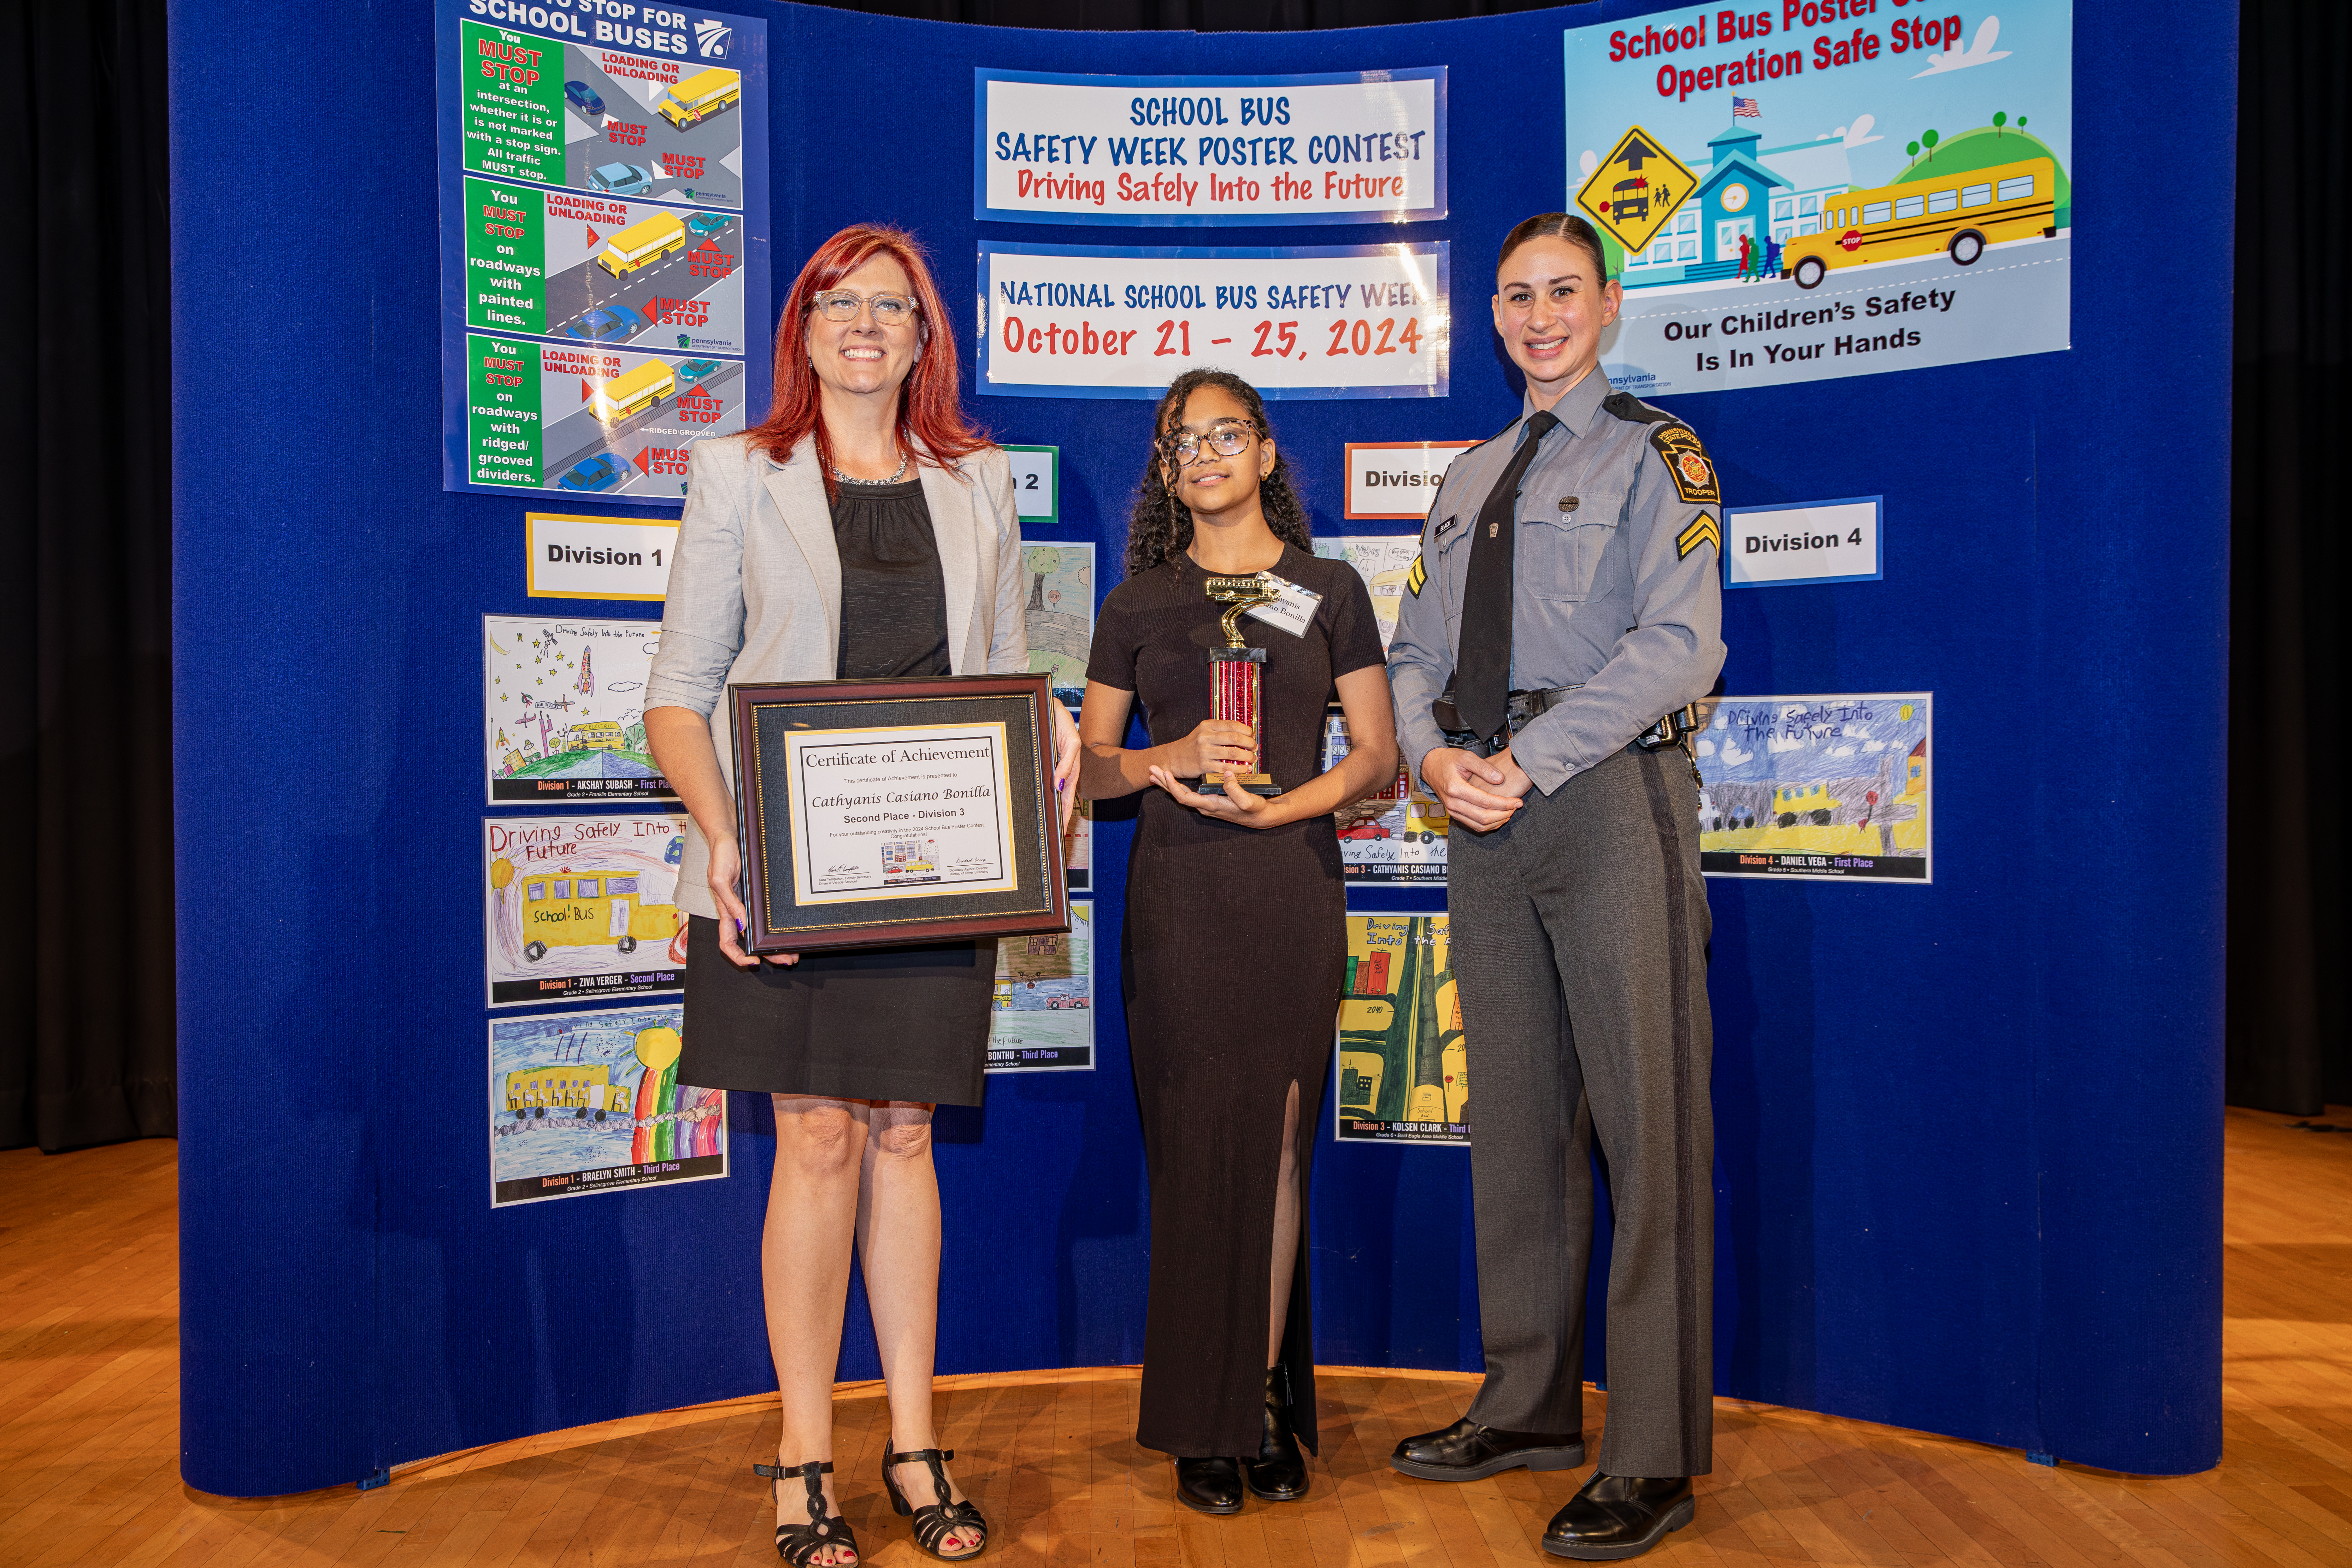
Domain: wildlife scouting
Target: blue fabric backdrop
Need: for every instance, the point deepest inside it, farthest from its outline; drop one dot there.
(1969, 1174)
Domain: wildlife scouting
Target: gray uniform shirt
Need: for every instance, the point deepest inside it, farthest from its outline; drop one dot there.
(1619, 593)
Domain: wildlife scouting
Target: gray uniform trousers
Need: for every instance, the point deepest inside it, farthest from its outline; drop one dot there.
(1578, 933)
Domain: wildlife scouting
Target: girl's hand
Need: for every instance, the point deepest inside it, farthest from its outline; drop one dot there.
(1215, 746)
(1065, 762)
(726, 866)
(1236, 805)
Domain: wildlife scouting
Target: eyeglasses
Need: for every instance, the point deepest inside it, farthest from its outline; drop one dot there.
(1226, 440)
(841, 305)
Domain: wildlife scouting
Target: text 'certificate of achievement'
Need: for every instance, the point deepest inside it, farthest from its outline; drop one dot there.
(884, 812)
(909, 813)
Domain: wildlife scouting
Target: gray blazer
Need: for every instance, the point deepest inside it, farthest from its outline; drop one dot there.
(755, 589)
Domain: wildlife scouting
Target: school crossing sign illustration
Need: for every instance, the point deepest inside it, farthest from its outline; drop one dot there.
(1634, 191)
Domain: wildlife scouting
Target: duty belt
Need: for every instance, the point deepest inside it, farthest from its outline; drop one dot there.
(1674, 729)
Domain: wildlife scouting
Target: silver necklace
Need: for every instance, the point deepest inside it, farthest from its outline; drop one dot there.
(895, 475)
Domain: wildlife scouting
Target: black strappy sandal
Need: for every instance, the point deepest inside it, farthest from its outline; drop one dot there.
(797, 1543)
(934, 1521)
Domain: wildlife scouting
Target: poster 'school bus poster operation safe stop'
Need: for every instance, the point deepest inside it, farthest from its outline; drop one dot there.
(590, 1102)
(603, 188)
(1801, 191)
(564, 711)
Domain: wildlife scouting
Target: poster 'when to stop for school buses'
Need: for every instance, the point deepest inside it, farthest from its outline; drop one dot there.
(1797, 191)
(603, 184)
(1404, 1074)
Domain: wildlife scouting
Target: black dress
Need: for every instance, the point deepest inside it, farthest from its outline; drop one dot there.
(891, 1023)
(1234, 948)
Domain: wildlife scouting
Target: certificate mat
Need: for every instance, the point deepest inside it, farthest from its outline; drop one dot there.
(883, 812)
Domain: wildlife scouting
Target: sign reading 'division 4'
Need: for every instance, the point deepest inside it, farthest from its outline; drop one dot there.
(1352, 147)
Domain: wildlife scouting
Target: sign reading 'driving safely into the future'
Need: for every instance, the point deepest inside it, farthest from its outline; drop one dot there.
(604, 242)
(1058, 320)
(1353, 147)
(1819, 188)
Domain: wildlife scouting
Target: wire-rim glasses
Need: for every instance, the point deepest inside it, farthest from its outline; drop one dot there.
(1226, 439)
(841, 305)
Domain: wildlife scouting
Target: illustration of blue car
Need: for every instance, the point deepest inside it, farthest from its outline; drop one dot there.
(605, 322)
(584, 97)
(694, 370)
(621, 180)
(706, 223)
(601, 472)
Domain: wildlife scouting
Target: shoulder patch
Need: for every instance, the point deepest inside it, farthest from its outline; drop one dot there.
(1703, 530)
(1632, 410)
(1416, 577)
(1687, 460)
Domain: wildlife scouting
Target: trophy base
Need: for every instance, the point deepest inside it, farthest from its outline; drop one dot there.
(1255, 784)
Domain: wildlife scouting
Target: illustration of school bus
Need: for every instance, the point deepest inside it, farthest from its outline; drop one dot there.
(586, 1091)
(590, 909)
(639, 243)
(699, 97)
(1959, 213)
(1803, 802)
(631, 391)
(596, 735)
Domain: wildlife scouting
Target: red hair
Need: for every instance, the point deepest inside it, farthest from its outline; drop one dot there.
(931, 422)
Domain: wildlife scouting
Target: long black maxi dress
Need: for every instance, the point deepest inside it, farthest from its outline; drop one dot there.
(1234, 953)
(883, 1023)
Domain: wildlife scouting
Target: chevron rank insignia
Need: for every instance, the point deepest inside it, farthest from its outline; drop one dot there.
(1687, 460)
(1702, 530)
(1416, 577)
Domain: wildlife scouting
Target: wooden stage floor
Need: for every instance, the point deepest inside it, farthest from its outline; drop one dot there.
(89, 1361)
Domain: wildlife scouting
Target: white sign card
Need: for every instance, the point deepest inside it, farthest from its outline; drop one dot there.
(1036, 482)
(1394, 481)
(1346, 147)
(596, 558)
(1060, 320)
(1786, 546)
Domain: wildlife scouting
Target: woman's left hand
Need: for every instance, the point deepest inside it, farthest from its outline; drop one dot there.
(1065, 762)
(1236, 805)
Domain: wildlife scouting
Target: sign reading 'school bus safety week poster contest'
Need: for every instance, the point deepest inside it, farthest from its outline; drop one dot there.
(1061, 320)
(1169, 151)
(1816, 787)
(581, 907)
(603, 193)
(1797, 190)
(1404, 1074)
(590, 1102)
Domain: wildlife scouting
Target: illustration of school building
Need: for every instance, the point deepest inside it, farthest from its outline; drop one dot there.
(1771, 194)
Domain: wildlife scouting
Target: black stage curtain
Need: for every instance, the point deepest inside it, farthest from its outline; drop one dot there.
(2290, 445)
(87, 1054)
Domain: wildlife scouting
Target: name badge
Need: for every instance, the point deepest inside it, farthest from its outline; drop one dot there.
(1294, 611)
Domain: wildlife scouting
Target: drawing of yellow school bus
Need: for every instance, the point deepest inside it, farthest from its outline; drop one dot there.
(564, 908)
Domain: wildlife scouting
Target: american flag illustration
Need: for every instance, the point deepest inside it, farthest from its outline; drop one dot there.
(1745, 109)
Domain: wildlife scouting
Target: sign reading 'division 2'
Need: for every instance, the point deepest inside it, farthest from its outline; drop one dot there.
(1352, 147)
(1067, 320)
(1806, 189)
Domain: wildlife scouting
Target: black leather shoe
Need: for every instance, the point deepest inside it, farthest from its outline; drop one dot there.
(1276, 1472)
(1466, 1451)
(1210, 1486)
(1619, 1516)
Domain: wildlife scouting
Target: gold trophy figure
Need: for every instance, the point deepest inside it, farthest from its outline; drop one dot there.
(1235, 678)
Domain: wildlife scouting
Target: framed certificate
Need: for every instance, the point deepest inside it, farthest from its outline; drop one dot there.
(874, 813)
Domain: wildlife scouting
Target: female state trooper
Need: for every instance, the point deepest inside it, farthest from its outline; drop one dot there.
(1566, 599)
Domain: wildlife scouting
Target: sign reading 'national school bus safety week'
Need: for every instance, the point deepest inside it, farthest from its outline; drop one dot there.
(1803, 191)
(1059, 321)
(1352, 147)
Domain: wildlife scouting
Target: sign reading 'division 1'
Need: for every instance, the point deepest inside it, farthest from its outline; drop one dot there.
(1064, 320)
(1803, 191)
(604, 178)
(1354, 147)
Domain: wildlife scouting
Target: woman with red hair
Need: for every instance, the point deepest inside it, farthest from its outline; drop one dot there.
(865, 530)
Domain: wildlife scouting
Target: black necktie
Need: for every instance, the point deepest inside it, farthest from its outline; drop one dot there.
(1482, 672)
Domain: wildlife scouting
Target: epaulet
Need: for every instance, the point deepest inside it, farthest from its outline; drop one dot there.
(1633, 411)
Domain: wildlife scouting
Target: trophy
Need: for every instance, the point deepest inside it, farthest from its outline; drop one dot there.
(1233, 678)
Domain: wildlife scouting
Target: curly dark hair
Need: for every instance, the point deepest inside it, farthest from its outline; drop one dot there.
(1159, 528)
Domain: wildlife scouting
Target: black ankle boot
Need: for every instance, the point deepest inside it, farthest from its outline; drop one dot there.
(1209, 1485)
(1276, 1472)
